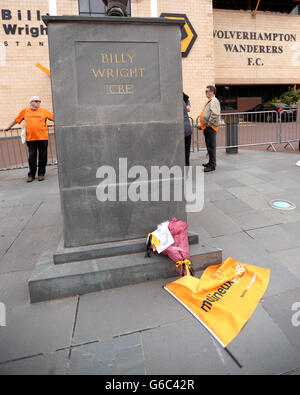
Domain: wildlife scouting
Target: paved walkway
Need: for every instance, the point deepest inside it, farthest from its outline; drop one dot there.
(140, 329)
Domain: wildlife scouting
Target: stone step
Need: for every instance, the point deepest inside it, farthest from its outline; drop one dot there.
(50, 281)
(124, 247)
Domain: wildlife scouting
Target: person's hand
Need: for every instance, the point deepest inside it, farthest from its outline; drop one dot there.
(10, 125)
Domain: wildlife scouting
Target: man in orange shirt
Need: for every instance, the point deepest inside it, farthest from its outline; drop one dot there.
(36, 136)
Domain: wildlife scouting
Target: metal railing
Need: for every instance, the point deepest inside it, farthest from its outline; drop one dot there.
(14, 154)
(289, 128)
(239, 129)
(246, 129)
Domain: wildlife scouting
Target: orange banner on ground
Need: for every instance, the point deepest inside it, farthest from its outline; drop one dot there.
(224, 298)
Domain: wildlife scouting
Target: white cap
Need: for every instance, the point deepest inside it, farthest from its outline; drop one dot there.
(34, 98)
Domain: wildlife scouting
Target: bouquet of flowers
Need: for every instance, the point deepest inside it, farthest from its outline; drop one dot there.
(171, 239)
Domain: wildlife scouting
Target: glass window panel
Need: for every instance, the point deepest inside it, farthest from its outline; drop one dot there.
(97, 6)
(128, 9)
(84, 6)
(283, 6)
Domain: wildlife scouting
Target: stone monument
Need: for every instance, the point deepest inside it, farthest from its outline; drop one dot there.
(117, 99)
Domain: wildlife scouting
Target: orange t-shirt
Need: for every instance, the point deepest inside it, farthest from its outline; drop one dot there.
(36, 126)
(203, 127)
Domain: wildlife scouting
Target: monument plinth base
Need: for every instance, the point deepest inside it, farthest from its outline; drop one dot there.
(52, 281)
(105, 250)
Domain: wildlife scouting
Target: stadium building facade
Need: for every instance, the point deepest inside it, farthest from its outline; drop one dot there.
(251, 56)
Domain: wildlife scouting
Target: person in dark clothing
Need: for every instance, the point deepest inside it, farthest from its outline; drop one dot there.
(187, 128)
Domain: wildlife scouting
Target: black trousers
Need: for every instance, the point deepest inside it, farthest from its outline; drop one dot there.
(210, 140)
(187, 146)
(34, 147)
